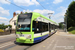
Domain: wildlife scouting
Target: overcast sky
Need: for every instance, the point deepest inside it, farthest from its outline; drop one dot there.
(57, 7)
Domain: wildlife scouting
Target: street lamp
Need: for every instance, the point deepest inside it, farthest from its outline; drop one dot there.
(50, 15)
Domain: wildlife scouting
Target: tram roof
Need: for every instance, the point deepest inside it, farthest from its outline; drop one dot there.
(38, 14)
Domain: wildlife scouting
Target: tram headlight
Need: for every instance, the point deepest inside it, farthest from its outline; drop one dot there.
(29, 37)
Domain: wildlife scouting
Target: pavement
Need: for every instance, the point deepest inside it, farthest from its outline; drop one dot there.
(58, 41)
(62, 33)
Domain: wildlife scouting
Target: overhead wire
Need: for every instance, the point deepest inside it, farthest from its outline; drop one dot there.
(15, 5)
(21, 7)
(41, 5)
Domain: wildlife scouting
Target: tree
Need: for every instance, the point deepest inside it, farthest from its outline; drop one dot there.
(0, 26)
(71, 10)
(3, 26)
(61, 25)
(70, 15)
(10, 26)
(25, 12)
(6, 26)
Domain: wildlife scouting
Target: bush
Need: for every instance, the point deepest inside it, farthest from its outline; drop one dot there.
(71, 30)
(1, 30)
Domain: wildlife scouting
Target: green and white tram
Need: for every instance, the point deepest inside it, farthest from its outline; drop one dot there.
(33, 27)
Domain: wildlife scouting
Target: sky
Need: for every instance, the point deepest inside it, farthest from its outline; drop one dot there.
(57, 7)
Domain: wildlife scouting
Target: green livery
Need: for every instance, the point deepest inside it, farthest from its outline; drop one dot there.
(24, 28)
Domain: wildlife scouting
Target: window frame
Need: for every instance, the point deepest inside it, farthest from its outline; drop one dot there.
(43, 27)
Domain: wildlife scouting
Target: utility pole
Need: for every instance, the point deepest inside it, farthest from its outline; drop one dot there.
(50, 15)
(50, 24)
(66, 22)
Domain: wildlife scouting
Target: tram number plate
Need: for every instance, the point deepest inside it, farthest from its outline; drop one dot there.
(22, 35)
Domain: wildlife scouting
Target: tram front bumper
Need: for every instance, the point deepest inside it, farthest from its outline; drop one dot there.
(22, 38)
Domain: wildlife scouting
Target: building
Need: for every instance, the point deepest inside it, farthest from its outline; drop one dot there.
(13, 20)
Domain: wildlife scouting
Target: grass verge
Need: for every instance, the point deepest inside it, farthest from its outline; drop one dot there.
(71, 30)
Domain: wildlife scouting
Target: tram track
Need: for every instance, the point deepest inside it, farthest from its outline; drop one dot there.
(27, 48)
(19, 47)
(4, 41)
(7, 43)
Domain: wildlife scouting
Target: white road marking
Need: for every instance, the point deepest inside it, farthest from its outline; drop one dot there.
(6, 44)
(50, 44)
(55, 45)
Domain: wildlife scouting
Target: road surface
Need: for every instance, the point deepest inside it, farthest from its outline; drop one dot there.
(58, 41)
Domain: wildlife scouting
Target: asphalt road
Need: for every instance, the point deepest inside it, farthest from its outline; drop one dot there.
(58, 41)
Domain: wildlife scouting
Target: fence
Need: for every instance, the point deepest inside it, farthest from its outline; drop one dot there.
(7, 32)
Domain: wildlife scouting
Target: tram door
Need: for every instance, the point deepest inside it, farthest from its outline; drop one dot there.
(49, 27)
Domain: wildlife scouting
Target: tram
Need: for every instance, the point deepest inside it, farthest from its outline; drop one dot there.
(34, 27)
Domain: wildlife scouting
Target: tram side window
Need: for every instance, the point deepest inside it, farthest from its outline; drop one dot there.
(44, 27)
(51, 27)
(54, 27)
(39, 27)
(33, 27)
(36, 27)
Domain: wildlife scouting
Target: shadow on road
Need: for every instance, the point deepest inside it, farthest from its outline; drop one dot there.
(23, 44)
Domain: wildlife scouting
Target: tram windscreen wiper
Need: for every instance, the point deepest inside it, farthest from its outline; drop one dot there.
(21, 32)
